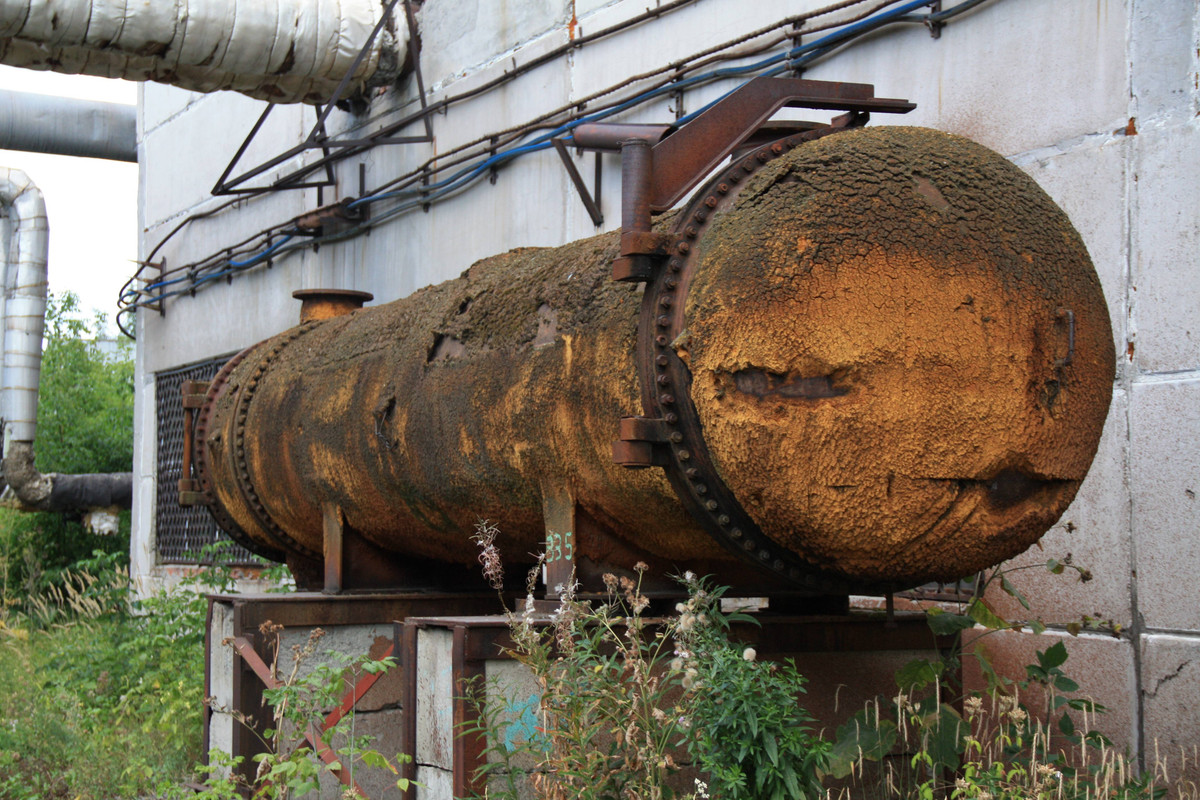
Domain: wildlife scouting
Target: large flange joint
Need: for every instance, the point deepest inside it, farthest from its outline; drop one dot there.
(670, 434)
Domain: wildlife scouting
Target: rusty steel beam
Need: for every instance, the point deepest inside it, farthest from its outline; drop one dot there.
(852, 365)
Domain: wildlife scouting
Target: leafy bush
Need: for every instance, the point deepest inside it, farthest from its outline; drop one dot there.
(751, 734)
(99, 699)
(628, 700)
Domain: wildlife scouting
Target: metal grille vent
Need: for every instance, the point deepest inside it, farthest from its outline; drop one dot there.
(183, 532)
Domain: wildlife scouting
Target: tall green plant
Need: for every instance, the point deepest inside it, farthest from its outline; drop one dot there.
(626, 699)
(752, 734)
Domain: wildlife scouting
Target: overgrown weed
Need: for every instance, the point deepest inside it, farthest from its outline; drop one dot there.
(634, 706)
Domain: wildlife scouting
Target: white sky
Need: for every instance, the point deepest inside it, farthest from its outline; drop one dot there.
(91, 203)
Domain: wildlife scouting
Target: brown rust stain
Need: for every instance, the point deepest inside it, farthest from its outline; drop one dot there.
(421, 416)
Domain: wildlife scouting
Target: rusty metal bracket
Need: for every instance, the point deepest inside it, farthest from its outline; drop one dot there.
(640, 442)
(660, 163)
(591, 204)
(558, 566)
(193, 399)
(193, 393)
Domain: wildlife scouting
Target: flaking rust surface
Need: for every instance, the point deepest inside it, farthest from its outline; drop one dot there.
(876, 348)
(462, 402)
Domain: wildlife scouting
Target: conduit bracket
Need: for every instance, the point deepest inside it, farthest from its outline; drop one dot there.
(932, 22)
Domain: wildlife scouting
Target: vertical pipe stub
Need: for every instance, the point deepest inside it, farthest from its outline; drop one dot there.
(318, 304)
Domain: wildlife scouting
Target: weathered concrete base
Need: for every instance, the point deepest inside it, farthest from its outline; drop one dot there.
(848, 660)
(421, 707)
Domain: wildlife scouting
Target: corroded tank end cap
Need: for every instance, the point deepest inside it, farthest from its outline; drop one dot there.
(318, 304)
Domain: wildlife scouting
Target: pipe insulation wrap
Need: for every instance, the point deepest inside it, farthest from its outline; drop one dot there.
(25, 286)
(24, 313)
(284, 52)
(64, 126)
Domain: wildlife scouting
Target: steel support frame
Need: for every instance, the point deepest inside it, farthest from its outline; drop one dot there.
(318, 138)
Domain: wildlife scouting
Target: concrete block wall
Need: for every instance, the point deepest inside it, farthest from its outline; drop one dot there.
(1096, 99)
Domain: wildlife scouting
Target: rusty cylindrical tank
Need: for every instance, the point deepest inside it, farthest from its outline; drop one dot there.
(878, 359)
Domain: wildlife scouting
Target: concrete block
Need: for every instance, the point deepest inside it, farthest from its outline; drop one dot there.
(220, 731)
(1004, 75)
(459, 37)
(1166, 240)
(1094, 531)
(1088, 183)
(353, 641)
(436, 690)
(436, 784)
(1162, 43)
(1102, 666)
(1170, 686)
(221, 657)
(524, 784)
(512, 688)
(1165, 471)
(381, 730)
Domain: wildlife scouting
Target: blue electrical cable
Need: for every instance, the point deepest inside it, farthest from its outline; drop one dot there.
(263, 255)
(542, 141)
(772, 65)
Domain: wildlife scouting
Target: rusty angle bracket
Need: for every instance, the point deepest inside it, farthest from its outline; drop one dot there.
(660, 164)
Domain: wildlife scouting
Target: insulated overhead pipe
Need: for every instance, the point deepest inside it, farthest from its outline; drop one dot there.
(68, 127)
(285, 52)
(24, 312)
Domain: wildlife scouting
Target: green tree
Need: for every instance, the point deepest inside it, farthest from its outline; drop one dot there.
(85, 405)
(84, 424)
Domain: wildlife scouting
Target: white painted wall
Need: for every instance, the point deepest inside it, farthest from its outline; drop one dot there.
(1059, 86)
